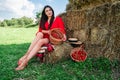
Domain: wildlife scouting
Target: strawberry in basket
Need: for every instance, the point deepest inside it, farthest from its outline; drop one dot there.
(78, 54)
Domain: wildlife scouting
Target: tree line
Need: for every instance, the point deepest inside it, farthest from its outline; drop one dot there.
(21, 22)
(16, 22)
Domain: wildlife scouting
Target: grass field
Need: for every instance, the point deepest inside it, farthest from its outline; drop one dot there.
(14, 43)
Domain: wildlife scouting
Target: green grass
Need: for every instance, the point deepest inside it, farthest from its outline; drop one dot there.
(14, 43)
(16, 35)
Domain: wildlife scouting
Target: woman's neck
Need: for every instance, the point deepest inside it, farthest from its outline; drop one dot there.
(49, 19)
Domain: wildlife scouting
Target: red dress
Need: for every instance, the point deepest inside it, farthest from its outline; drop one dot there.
(57, 23)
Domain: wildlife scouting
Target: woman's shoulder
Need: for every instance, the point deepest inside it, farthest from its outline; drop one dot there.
(58, 18)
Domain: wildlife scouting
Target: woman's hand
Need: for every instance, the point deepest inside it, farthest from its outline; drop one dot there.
(48, 31)
(64, 37)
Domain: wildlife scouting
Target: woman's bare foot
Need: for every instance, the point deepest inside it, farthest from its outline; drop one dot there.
(21, 59)
(22, 65)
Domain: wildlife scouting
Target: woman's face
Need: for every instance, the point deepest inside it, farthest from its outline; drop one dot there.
(48, 12)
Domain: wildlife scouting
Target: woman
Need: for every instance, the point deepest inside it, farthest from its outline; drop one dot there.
(47, 22)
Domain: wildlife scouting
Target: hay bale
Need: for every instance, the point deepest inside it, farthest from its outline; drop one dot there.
(81, 35)
(98, 35)
(98, 27)
(60, 53)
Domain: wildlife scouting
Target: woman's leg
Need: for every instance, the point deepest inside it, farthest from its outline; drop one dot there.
(36, 39)
(37, 48)
(32, 53)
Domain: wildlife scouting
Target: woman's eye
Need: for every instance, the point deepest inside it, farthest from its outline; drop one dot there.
(46, 11)
(50, 10)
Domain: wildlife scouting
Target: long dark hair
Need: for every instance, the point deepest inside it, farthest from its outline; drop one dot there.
(44, 18)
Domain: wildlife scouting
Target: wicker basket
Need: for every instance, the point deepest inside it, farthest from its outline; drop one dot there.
(78, 54)
(56, 36)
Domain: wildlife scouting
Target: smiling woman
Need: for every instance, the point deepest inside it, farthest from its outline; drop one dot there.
(47, 23)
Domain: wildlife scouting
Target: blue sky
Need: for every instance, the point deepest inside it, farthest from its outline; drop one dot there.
(18, 8)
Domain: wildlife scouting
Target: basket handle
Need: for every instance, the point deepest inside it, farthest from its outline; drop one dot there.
(82, 46)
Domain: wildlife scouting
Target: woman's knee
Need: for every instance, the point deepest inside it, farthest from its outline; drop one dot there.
(43, 41)
(39, 34)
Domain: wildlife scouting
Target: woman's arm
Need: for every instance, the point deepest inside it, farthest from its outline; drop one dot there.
(61, 24)
(62, 28)
(46, 31)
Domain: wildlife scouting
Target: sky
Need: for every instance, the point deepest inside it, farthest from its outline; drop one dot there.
(19, 8)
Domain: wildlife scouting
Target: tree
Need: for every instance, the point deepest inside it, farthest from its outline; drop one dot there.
(3, 24)
(38, 16)
(20, 22)
(8, 22)
(17, 22)
(14, 21)
(26, 20)
(0, 23)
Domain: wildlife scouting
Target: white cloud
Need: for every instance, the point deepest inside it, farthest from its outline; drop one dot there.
(38, 7)
(16, 8)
